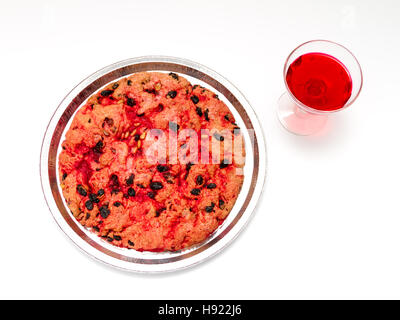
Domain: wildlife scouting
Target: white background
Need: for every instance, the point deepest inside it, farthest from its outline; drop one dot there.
(328, 225)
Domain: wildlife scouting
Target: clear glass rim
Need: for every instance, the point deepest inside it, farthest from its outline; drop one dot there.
(106, 254)
(302, 105)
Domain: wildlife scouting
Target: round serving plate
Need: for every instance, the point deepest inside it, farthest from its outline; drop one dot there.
(132, 260)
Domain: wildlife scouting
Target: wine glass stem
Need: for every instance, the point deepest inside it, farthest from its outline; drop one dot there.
(297, 120)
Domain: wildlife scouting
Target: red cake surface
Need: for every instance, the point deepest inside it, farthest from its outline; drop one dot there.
(156, 202)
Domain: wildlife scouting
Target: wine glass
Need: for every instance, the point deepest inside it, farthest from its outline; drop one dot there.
(304, 108)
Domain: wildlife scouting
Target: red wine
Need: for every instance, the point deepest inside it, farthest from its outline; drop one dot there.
(319, 81)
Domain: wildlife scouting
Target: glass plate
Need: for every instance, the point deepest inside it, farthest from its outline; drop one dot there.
(132, 260)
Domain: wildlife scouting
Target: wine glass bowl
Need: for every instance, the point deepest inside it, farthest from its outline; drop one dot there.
(302, 118)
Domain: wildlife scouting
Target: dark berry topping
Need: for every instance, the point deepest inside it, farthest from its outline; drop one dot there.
(210, 208)
(195, 99)
(129, 181)
(206, 115)
(99, 147)
(188, 166)
(130, 102)
(131, 243)
(199, 111)
(89, 205)
(118, 238)
(173, 75)
(96, 228)
(221, 204)
(64, 176)
(160, 107)
(109, 239)
(151, 194)
(195, 192)
(174, 126)
(169, 177)
(153, 91)
(106, 93)
(172, 94)
(81, 190)
(218, 136)
(131, 192)
(109, 121)
(115, 191)
(199, 180)
(114, 180)
(137, 137)
(162, 168)
(211, 186)
(129, 82)
(115, 86)
(227, 117)
(224, 164)
(87, 216)
(117, 204)
(100, 193)
(104, 211)
(93, 198)
(159, 211)
(155, 185)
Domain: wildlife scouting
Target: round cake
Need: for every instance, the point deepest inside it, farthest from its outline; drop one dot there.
(152, 163)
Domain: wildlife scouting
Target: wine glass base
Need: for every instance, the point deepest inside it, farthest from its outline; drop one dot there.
(297, 120)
